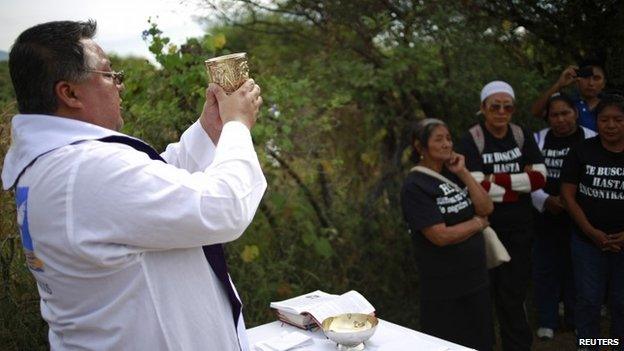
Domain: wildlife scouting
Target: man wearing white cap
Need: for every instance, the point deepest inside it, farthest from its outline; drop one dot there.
(506, 160)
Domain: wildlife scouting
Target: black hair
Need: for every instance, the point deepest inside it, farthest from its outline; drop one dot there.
(593, 62)
(421, 132)
(42, 56)
(608, 100)
(560, 97)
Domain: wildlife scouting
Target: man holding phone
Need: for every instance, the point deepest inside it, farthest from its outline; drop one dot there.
(590, 80)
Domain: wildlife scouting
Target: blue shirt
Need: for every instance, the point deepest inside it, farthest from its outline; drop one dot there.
(587, 117)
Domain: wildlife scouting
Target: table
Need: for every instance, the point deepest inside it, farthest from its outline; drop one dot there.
(388, 337)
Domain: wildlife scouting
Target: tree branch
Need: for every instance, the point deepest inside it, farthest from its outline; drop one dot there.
(318, 210)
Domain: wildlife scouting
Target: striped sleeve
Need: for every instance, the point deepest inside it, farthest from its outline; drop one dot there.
(496, 192)
(524, 182)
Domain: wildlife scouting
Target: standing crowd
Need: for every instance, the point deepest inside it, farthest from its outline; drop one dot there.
(555, 198)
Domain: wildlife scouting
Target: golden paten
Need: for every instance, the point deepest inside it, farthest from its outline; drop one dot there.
(228, 71)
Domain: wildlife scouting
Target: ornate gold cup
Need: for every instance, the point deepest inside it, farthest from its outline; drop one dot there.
(229, 71)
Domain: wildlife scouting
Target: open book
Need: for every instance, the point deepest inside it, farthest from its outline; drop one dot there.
(311, 309)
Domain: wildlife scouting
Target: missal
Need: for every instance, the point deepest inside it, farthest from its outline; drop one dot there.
(309, 310)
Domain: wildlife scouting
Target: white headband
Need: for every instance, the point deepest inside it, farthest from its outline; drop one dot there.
(497, 86)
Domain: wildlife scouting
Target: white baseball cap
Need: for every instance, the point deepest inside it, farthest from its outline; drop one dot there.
(497, 86)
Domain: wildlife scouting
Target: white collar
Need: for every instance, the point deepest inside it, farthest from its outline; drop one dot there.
(34, 135)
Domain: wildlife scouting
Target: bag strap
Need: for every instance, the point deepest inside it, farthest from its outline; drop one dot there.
(436, 175)
(518, 135)
(476, 132)
(477, 136)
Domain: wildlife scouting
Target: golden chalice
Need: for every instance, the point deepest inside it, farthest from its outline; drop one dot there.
(228, 71)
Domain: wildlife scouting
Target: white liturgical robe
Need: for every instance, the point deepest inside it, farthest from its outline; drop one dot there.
(114, 238)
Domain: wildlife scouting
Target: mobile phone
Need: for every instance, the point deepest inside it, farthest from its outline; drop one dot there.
(585, 72)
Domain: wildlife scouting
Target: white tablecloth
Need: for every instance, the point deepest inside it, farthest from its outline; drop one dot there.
(388, 337)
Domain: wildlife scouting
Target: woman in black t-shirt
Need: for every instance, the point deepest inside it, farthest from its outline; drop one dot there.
(592, 190)
(446, 223)
(506, 160)
(552, 265)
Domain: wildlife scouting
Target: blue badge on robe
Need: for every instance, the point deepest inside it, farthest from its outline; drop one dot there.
(21, 199)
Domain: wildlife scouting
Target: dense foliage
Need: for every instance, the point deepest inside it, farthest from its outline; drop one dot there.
(342, 83)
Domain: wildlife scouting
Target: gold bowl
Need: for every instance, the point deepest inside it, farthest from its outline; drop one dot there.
(228, 71)
(350, 330)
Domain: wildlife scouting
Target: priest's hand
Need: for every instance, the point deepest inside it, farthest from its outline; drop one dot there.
(210, 119)
(242, 105)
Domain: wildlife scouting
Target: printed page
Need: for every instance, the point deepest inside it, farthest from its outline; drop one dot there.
(351, 302)
(303, 303)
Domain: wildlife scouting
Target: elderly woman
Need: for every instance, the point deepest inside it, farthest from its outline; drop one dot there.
(506, 160)
(592, 190)
(552, 265)
(446, 222)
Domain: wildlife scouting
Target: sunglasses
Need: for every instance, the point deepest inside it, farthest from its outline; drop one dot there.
(497, 107)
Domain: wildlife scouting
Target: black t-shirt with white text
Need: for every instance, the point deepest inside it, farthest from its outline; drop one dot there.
(448, 271)
(599, 176)
(503, 156)
(554, 151)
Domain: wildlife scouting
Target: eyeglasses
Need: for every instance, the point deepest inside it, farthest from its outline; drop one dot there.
(497, 107)
(118, 77)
